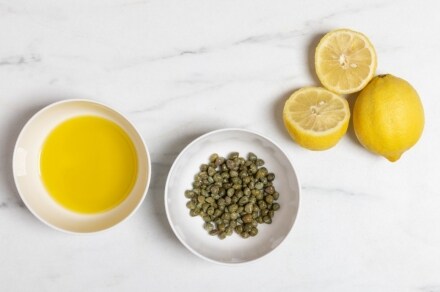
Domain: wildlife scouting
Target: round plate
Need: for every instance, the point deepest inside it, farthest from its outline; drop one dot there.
(26, 168)
(233, 249)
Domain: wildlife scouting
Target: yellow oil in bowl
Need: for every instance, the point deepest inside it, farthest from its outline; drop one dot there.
(88, 164)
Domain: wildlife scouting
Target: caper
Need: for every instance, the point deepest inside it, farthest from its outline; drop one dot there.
(229, 230)
(191, 205)
(208, 226)
(210, 211)
(233, 208)
(267, 220)
(189, 194)
(269, 199)
(233, 155)
(247, 218)
(270, 177)
(248, 208)
(213, 232)
(219, 161)
(270, 190)
(262, 204)
(234, 215)
(247, 227)
(233, 194)
(243, 201)
(252, 156)
(213, 157)
(230, 164)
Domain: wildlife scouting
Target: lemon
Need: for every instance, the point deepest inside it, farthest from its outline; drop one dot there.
(316, 118)
(388, 116)
(345, 61)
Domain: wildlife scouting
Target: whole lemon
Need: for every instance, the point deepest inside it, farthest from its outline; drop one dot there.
(388, 116)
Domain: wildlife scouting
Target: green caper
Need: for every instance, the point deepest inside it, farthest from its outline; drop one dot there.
(239, 229)
(233, 155)
(234, 174)
(248, 208)
(269, 199)
(233, 194)
(270, 177)
(243, 201)
(189, 194)
(230, 164)
(213, 157)
(247, 227)
(219, 161)
(191, 205)
(233, 208)
(208, 226)
(213, 232)
(252, 156)
(270, 190)
(247, 218)
(267, 220)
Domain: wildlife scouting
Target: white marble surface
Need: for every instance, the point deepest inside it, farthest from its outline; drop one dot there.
(178, 69)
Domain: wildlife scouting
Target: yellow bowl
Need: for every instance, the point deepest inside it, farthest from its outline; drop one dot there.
(26, 168)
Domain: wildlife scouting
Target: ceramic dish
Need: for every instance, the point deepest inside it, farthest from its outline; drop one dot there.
(233, 249)
(26, 168)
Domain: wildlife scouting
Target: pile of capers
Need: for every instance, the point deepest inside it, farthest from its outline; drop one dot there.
(233, 194)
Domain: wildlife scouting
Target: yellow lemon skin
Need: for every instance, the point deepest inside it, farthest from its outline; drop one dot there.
(388, 116)
(312, 142)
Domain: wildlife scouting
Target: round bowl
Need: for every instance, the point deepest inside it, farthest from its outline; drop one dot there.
(26, 168)
(234, 249)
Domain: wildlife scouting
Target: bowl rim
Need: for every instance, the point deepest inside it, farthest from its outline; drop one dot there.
(201, 137)
(57, 103)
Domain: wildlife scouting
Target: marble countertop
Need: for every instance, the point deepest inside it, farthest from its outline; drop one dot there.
(178, 69)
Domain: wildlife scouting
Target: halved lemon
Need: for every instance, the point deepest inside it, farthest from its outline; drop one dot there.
(316, 118)
(345, 61)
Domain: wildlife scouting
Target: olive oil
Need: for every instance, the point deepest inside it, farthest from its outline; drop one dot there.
(88, 164)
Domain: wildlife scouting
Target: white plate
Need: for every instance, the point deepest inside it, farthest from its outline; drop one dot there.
(26, 168)
(233, 249)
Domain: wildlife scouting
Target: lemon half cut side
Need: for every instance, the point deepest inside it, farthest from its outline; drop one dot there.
(345, 61)
(316, 118)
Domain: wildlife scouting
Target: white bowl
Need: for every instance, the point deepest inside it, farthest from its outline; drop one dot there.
(234, 249)
(26, 168)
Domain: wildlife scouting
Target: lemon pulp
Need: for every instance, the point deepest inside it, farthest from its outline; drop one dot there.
(345, 61)
(88, 164)
(316, 118)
